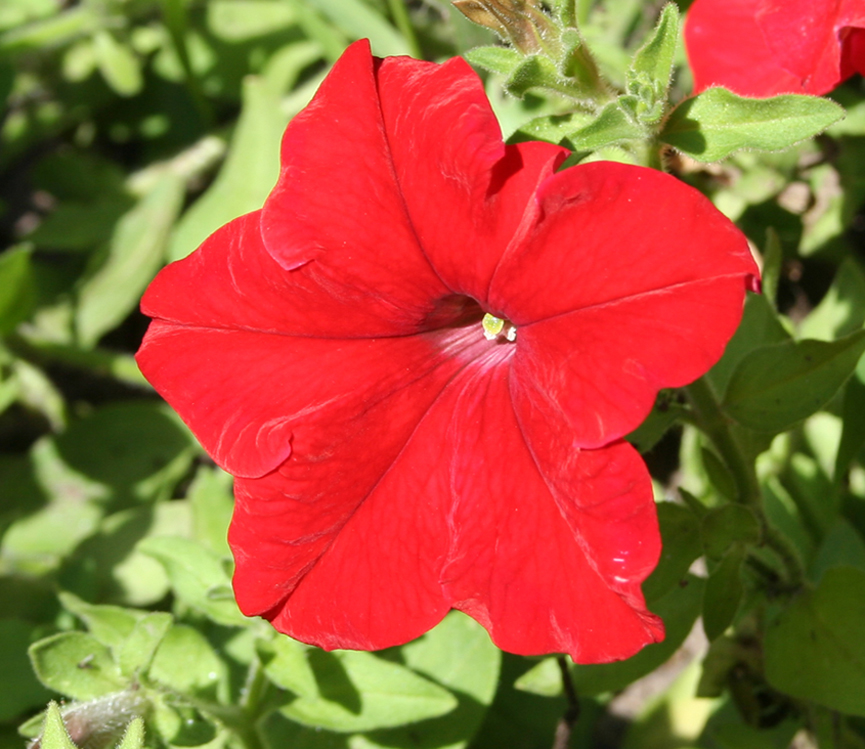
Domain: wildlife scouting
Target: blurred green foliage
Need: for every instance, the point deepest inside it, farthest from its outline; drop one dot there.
(132, 129)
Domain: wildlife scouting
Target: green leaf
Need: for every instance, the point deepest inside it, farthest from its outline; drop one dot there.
(248, 175)
(37, 542)
(663, 415)
(17, 290)
(778, 385)
(458, 655)
(536, 71)
(553, 128)
(822, 631)
(717, 123)
(680, 535)
(853, 434)
(194, 572)
(726, 525)
(719, 476)
(651, 70)
(679, 609)
(655, 58)
(180, 725)
(359, 20)
(75, 664)
(80, 226)
(135, 253)
(111, 625)
(501, 60)
(136, 451)
(759, 326)
(110, 564)
(813, 493)
(118, 64)
(347, 691)
(186, 663)
(613, 125)
(212, 506)
(240, 20)
(723, 594)
(137, 650)
(331, 40)
(842, 310)
(19, 689)
(841, 547)
(773, 258)
(54, 734)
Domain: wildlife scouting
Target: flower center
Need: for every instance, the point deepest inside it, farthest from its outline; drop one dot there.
(498, 328)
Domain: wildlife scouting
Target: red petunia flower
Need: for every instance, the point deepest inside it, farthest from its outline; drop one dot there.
(768, 47)
(395, 457)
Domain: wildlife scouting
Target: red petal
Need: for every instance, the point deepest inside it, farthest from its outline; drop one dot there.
(469, 194)
(643, 283)
(232, 282)
(338, 203)
(803, 38)
(853, 51)
(548, 562)
(727, 48)
(247, 395)
(550, 543)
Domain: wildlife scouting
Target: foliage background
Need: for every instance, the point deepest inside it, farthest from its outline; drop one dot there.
(132, 129)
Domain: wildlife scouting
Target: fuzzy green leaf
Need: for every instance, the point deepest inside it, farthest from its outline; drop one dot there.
(502, 60)
(75, 664)
(194, 572)
(651, 70)
(613, 125)
(717, 123)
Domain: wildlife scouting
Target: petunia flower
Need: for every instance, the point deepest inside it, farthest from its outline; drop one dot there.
(419, 360)
(766, 47)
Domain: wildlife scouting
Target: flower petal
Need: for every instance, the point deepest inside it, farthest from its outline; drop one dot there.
(338, 203)
(248, 395)
(643, 295)
(727, 48)
(463, 518)
(600, 368)
(550, 543)
(470, 195)
(232, 282)
(803, 38)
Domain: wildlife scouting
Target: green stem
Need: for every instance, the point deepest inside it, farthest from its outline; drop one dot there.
(716, 426)
(400, 17)
(253, 689)
(565, 727)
